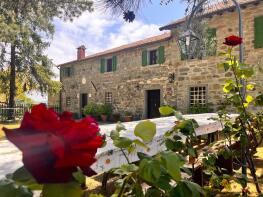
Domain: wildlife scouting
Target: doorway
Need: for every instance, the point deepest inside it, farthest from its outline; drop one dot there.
(83, 102)
(153, 103)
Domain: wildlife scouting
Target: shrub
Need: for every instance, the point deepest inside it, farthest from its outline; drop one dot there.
(91, 109)
(199, 108)
(105, 109)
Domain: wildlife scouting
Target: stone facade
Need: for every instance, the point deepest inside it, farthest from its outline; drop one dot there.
(130, 82)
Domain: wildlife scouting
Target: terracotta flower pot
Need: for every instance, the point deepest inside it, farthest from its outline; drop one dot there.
(127, 118)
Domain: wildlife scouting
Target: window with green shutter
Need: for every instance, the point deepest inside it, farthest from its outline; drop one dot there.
(258, 32)
(102, 65)
(144, 58)
(161, 57)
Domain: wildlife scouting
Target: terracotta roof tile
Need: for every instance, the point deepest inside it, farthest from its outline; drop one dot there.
(211, 10)
(158, 38)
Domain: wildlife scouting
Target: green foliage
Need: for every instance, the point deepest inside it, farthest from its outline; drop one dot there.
(200, 108)
(62, 190)
(105, 109)
(8, 188)
(92, 109)
(166, 110)
(145, 130)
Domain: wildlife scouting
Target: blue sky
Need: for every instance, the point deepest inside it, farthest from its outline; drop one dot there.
(100, 30)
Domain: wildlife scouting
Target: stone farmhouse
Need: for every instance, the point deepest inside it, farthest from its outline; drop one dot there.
(140, 76)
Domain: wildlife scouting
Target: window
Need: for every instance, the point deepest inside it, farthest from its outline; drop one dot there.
(67, 72)
(108, 65)
(151, 57)
(197, 95)
(108, 98)
(205, 46)
(258, 32)
(68, 101)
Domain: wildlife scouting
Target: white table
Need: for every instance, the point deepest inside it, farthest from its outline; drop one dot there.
(110, 156)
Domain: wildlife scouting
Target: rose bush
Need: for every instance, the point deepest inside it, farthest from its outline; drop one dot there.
(233, 41)
(54, 145)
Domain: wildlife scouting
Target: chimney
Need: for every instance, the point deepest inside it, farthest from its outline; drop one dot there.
(81, 52)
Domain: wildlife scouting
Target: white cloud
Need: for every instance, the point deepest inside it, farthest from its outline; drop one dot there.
(97, 32)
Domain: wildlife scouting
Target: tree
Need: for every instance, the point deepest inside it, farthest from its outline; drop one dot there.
(25, 31)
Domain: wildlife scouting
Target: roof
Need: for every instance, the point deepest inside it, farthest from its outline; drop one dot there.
(213, 9)
(151, 40)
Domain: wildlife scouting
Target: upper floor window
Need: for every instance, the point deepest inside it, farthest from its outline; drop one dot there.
(206, 46)
(66, 72)
(258, 32)
(108, 64)
(155, 56)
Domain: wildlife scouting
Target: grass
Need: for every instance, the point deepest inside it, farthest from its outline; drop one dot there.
(9, 126)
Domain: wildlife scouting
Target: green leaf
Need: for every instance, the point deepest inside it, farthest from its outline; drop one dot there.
(23, 177)
(259, 100)
(96, 195)
(9, 189)
(146, 130)
(187, 127)
(191, 151)
(178, 115)
(166, 110)
(150, 170)
(114, 134)
(79, 176)
(126, 169)
(141, 144)
(122, 142)
(143, 156)
(153, 192)
(138, 191)
(71, 189)
(169, 159)
(229, 85)
(120, 127)
(186, 188)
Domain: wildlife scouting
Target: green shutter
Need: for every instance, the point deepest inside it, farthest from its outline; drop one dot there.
(102, 65)
(258, 32)
(61, 72)
(71, 71)
(144, 58)
(161, 58)
(114, 63)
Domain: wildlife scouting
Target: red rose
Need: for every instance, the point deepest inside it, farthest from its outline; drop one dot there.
(53, 145)
(233, 41)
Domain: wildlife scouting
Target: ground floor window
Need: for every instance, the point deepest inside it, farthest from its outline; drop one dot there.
(108, 97)
(68, 101)
(197, 95)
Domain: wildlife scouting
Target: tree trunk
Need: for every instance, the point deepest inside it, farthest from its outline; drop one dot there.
(11, 103)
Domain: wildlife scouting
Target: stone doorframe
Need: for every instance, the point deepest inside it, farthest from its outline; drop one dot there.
(145, 105)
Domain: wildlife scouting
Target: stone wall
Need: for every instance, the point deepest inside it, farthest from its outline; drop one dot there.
(130, 81)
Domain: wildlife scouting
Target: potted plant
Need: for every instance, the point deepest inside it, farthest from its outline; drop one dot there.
(127, 116)
(105, 111)
(116, 116)
(91, 109)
